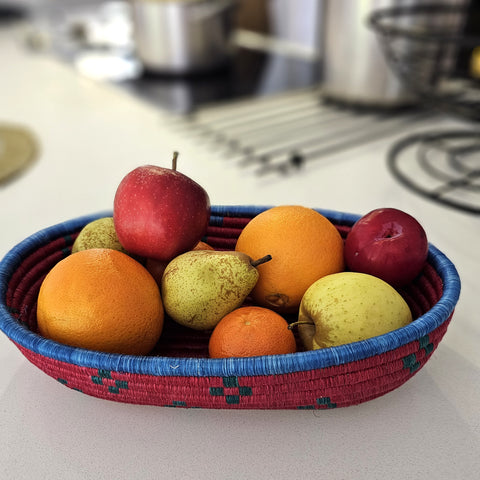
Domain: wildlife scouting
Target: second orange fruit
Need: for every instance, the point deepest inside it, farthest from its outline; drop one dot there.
(103, 300)
(249, 332)
(304, 246)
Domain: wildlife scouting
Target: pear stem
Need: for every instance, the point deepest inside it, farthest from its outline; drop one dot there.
(174, 161)
(291, 326)
(258, 262)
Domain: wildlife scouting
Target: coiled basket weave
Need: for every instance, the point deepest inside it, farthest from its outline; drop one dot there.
(179, 372)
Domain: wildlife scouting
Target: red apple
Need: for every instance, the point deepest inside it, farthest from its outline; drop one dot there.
(159, 212)
(389, 244)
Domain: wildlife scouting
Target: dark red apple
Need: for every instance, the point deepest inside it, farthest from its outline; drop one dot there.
(389, 244)
(159, 212)
(156, 269)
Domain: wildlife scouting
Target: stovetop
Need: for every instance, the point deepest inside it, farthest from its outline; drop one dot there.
(442, 165)
(281, 134)
(250, 74)
(264, 112)
(97, 41)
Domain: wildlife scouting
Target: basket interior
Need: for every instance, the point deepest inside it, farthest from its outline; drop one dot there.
(176, 340)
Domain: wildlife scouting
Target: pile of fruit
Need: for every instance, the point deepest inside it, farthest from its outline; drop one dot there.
(291, 273)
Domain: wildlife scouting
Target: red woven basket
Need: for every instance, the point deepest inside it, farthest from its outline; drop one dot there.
(180, 374)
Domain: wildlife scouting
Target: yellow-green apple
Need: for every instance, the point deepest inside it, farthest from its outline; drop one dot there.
(347, 307)
(159, 212)
(388, 243)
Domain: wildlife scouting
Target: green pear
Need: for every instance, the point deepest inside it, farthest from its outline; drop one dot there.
(347, 307)
(99, 233)
(200, 287)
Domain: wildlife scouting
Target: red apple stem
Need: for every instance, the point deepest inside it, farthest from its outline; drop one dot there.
(291, 326)
(258, 262)
(174, 160)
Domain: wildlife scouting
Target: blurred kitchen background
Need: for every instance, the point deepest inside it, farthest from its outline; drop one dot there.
(181, 54)
(335, 76)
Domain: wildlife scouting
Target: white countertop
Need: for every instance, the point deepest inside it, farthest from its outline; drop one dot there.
(91, 135)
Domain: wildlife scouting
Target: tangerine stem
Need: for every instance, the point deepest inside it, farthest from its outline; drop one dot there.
(300, 322)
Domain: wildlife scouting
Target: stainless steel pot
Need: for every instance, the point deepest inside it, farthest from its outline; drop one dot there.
(183, 36)
(354, 69)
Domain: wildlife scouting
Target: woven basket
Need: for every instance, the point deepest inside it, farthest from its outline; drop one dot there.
(179, 372)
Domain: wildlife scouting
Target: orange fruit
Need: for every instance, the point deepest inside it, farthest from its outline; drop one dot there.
(304, 246)
(101, 299)
(251, 331)
(202, 246)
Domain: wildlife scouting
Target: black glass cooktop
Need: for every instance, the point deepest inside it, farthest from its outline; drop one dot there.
(250, 73)
(80, 37)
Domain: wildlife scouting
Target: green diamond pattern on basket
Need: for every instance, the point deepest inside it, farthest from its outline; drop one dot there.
(104, 377)
(65, 382)
(410, 362)
(426, 344)
(322, 402)
(231, 390)
(326, 401)
(177, 403)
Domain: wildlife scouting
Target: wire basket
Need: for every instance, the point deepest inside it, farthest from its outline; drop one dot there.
(422, 46)
(180, 374)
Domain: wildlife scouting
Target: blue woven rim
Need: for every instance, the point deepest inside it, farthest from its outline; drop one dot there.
(266, 365)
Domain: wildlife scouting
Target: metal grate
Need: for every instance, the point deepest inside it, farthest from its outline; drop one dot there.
(280, 134)
(442, 165)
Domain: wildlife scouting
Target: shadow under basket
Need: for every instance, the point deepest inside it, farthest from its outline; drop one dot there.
(179, 372)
